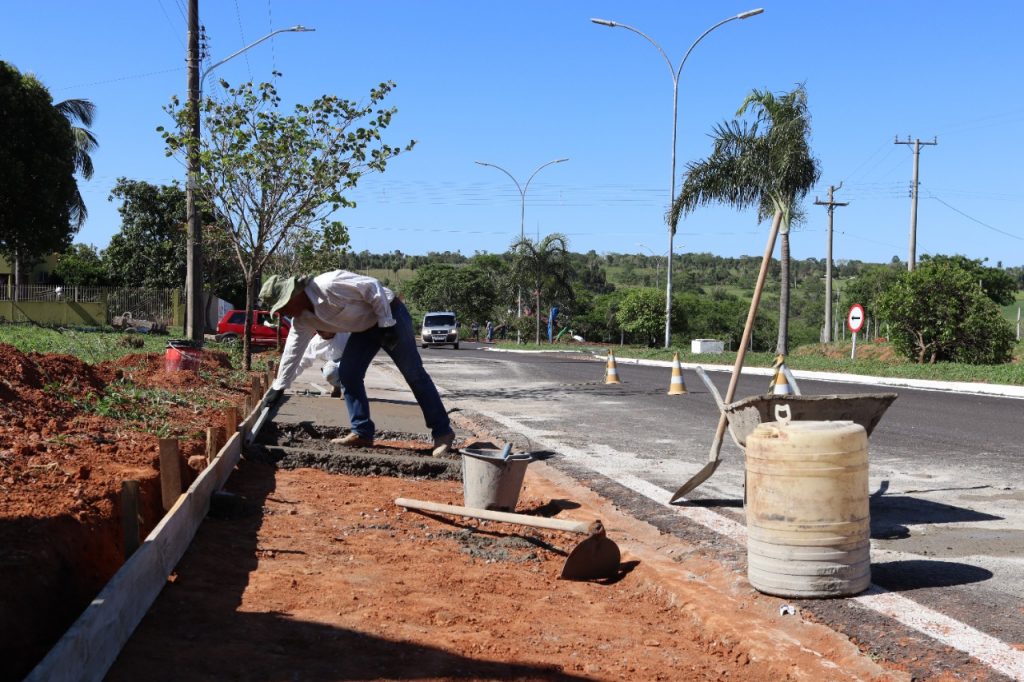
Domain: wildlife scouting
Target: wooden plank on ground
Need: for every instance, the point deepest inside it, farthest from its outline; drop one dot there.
(93, 642)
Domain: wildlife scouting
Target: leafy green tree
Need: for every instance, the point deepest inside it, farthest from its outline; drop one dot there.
(997, 284)
(465, 290)
(37, 167)
(599, 320)
(939, 313)
(311, 250)
(867, 287)
(80, 111)
(81, 265)
(543, 269)
(767, 164)
(496, 267)
(149, 250)
(270, 175)
(642, 314)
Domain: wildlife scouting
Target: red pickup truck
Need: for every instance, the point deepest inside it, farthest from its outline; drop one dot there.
(264, 327)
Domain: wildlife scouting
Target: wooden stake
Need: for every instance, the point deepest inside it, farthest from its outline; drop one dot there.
(213, 440)
(230, 419)
(130, 516)
(170, 472)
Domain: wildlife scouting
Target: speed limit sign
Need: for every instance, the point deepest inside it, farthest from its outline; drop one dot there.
(855, 318)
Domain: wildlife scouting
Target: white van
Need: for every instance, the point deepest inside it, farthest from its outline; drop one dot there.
(440, 329)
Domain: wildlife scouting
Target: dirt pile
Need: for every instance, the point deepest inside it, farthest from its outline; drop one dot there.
(70, 434)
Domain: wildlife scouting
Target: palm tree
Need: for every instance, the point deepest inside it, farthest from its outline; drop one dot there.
(544, 267)
(767, 164)
(80, 111)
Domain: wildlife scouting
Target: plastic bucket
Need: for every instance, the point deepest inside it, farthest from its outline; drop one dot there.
(808, 523)
(182, 356)
(490, 481)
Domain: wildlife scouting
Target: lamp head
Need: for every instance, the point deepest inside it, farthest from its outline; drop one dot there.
(750, 13)
(301, 29)
(604, 22)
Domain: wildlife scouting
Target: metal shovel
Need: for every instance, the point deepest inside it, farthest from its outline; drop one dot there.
(596, 557)
(716, 446)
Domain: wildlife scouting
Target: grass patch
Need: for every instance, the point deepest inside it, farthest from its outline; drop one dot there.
(145, 408)
(89, 346)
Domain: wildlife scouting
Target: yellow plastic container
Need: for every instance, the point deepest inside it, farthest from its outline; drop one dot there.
(808, 523)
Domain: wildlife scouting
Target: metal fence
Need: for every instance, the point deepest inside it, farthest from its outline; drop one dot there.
(147, 304)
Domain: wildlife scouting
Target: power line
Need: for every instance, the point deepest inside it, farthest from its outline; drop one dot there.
(121, 78)
(973, 219)
(174, 29)
(241, 32)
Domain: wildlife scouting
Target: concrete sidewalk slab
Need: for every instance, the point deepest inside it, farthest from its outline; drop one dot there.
(392, 404)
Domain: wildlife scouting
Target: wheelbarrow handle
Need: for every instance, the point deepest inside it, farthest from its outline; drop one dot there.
(582, 527)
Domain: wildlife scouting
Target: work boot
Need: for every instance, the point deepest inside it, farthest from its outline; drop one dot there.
(443, 444)
(353, 440)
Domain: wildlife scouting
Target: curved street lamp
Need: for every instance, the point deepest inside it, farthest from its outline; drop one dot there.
(522, 190)
(674, 72)
(522, 209)
(294, 29)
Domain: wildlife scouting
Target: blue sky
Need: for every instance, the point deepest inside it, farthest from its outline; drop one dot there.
(518, 84)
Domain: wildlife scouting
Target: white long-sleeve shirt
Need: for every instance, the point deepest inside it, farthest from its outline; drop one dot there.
(342, 302)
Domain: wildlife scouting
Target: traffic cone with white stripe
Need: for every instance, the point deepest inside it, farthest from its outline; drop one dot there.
(677, 385)
(779, 384)
(612, 374)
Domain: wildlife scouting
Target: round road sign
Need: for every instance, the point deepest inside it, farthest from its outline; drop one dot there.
(855, 318)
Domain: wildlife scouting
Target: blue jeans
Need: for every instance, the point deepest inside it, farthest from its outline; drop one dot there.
(400, 343)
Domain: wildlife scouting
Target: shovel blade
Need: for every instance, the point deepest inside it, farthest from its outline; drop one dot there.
(594, 558)
(698, 478)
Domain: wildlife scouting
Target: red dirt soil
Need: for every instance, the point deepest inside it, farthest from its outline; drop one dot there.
(319, 576)
(62, 463)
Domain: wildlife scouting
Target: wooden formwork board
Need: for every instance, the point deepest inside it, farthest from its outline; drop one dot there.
(93, 642)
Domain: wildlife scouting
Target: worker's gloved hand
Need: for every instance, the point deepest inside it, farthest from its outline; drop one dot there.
(273, 395)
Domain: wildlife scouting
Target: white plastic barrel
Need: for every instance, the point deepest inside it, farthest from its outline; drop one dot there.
(808, 523)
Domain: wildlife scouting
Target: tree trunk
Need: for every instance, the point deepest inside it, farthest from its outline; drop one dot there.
(782, 347)
(17, 276)
(250, 305)
(536, 312)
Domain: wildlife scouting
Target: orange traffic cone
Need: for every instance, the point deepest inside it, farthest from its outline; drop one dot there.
(779, 384)
(612, 375)
(677, 386)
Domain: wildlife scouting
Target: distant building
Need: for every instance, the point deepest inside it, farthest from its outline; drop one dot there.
(40, 273)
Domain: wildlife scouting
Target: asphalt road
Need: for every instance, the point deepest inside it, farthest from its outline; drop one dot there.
(946, 478)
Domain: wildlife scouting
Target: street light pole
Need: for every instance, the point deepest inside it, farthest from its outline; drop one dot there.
(675, 73)
(522, 207)
(657, 262)
(195, 323)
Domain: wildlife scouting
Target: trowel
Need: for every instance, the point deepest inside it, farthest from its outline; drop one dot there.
(596, 557)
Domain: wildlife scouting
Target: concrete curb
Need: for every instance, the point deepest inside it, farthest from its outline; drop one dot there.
(968, 387)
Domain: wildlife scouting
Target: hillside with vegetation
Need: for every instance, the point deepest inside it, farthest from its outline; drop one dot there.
(711, 294)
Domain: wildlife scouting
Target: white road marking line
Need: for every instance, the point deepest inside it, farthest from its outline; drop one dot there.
(991, 651)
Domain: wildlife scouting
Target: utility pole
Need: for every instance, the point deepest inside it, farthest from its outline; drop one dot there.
(195, 323)
(912, 255)
(828, 257)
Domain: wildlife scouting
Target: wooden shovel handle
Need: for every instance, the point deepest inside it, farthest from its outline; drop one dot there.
(741, 352)
(489, 515)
